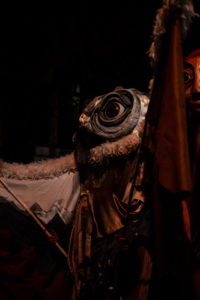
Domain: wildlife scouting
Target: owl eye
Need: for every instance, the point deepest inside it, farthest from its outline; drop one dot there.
(115, 114)
(113, 110)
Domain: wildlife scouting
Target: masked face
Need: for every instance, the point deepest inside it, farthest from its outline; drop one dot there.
(192, 80)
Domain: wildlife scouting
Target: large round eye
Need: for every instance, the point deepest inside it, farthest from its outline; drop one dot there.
(113, 110)
(116, 114)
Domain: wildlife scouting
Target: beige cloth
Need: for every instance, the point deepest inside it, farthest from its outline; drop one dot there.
(46, 197)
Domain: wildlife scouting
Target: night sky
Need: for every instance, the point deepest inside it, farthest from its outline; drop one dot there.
(44, 60)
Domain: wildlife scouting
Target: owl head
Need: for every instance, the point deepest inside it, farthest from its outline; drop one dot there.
(111, 126)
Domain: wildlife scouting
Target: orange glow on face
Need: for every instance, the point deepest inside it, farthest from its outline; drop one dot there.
(192, 81)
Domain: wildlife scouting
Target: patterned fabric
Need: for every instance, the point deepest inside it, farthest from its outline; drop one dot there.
(45, 197)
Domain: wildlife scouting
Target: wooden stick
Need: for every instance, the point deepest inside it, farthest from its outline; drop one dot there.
(48, 234)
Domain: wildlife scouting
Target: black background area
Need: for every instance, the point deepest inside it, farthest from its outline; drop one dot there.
(43, 58)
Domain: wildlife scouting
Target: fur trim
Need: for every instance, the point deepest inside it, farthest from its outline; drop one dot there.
(39, 170)
(186, 11)
(125, 146)
(107, 151)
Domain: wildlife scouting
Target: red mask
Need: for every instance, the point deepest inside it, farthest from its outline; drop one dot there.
(192, 80)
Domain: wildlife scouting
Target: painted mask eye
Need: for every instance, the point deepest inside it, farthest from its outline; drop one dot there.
(113, 110)
(188, 76)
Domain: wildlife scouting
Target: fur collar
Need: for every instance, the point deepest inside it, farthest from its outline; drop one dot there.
(185, 9)
(39, 170)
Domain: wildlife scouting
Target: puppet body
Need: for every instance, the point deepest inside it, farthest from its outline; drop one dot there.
(88, 198)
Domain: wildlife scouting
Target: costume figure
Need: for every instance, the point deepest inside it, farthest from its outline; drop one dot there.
(192, 89)
(171, 115)
(99, 199)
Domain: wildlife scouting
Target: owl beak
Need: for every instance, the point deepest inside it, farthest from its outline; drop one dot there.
(83, 119)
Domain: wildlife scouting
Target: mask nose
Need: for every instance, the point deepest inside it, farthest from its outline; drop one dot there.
(196, 96)
(196, 87)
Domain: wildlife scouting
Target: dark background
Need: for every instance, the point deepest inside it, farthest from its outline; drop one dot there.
(50, 65)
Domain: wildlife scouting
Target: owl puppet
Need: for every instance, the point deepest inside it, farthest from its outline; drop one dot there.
(93, 201)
